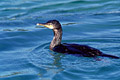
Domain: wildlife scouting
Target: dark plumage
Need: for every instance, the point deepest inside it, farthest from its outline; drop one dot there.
(80, 50)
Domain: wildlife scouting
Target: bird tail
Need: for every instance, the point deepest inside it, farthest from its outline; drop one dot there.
(110, 56)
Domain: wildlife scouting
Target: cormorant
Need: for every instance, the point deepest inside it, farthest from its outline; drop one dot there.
(80, 50)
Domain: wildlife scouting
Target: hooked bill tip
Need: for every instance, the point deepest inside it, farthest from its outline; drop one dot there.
(37, 24)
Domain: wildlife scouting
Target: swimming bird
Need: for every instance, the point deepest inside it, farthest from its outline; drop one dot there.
(75, 49)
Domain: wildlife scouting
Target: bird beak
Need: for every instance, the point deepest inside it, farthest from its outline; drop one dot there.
(45, 25)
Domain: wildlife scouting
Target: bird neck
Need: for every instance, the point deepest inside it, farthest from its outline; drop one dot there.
(57, 38)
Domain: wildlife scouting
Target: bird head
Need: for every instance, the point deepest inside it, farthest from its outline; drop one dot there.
(51, 24)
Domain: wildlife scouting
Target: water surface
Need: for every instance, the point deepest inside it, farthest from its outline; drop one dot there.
(24, 47)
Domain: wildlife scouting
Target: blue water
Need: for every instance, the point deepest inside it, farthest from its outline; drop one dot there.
(24, 47)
